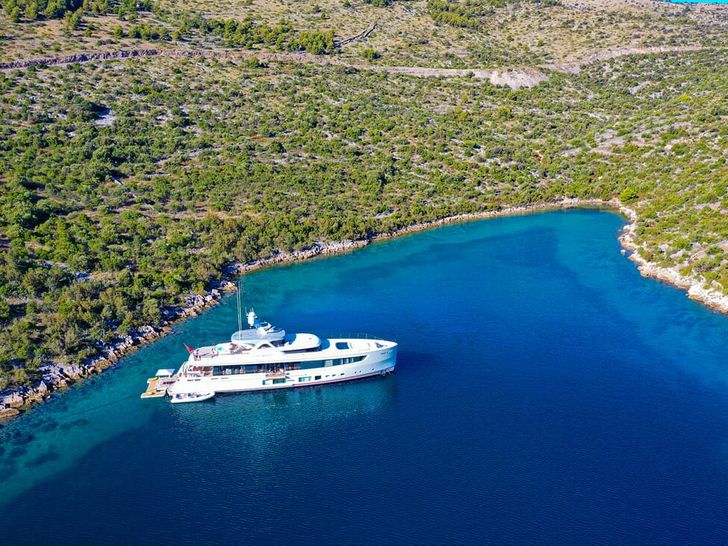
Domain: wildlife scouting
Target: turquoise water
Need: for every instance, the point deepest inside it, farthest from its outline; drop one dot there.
(545, 392)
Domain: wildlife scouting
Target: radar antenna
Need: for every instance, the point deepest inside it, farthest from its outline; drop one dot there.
(252, 318)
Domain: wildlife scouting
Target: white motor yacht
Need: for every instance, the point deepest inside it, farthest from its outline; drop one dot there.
(263, 357)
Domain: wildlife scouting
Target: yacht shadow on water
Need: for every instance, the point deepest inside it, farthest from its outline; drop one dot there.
(295, 407)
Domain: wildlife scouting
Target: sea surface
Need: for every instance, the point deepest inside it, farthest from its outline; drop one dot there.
(545, 393)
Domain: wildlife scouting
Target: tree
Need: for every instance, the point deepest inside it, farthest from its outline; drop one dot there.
(4, 310)
(17, 206)
(370, 54)
(151, 311)
(73, 19)
(317, 43)
(9, 6)
(628, 195)
(31, 11)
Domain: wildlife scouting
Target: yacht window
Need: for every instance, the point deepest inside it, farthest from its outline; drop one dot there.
(228, 370)
(317, 378)
(347, 360)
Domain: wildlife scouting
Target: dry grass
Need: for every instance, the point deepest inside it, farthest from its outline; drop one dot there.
(41, 39)
(519, 33)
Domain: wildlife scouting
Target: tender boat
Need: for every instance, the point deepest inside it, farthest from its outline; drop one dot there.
(264, 357)
(184, 397)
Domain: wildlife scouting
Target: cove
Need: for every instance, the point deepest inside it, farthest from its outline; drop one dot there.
(545, 392)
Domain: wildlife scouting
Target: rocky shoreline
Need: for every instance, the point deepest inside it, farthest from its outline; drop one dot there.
(694, 285)
(56, 377)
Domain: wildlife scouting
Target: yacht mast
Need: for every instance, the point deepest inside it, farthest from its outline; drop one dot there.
(240, 311)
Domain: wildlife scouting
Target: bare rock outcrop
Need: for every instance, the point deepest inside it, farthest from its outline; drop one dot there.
(515, 79)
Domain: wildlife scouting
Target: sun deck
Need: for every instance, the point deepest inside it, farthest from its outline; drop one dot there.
(307, 347)
(292, 343)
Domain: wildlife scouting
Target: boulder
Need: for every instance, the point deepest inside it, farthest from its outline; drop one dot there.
(103, 363)
(33, 397)
(7, 413)
(73, 371)
(13, 400)
(52, 373)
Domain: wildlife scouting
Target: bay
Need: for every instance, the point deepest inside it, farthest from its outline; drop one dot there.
(545, 392)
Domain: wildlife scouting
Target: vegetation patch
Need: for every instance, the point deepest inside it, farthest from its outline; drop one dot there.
(129, 184)
(466, 14)
(207, 161)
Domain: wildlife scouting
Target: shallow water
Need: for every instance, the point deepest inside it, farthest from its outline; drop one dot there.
(545, 392)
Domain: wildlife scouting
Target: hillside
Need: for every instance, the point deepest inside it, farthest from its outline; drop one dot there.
(129, 184)
(442, 33)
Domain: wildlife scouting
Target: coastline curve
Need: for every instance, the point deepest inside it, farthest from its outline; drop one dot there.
(15, 402)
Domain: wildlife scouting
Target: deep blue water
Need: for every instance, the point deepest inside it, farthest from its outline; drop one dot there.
(545, 392)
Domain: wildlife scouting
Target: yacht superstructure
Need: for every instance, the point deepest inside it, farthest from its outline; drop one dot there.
(263, 357)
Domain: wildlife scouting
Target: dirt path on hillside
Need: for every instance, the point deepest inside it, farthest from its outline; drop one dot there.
(574, 68)
(514, 77)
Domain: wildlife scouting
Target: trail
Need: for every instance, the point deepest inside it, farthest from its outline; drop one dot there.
(574, 68)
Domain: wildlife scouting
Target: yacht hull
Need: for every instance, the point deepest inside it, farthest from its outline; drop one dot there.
(374, 363)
